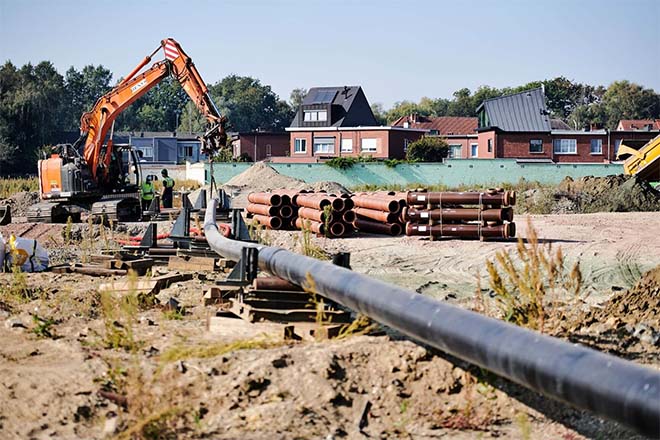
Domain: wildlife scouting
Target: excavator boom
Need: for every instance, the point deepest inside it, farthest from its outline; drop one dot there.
(101, 175)
(97, 122)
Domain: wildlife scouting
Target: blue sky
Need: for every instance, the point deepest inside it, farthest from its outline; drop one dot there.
(396, 50)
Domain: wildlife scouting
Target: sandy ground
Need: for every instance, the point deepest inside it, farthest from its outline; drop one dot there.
(244, 381)
(613, 249)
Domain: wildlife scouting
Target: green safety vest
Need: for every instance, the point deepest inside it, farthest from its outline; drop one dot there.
(168, 182)
(147, 191)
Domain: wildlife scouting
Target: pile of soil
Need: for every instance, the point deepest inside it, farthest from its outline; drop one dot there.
(628, 324)
(262, 177)
(20, 202)
(619, 193)
(590, 194)
(641, 303)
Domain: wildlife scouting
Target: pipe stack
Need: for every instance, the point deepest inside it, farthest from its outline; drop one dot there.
(379, 212)
(470, 214)
(273, 210)
(325, 214)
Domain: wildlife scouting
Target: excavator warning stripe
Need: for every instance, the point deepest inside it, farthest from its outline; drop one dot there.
(171, 52)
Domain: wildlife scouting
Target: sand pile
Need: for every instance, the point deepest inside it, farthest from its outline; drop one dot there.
(20, 202)
(262, 177)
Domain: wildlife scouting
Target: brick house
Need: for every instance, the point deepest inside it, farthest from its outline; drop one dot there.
(459, 132)
(338, 121)
(638, 125)
(519, 126)
(260, 145)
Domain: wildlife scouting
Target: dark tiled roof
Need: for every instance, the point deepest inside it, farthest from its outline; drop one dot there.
(445, 125)
(523, 112)
(639, 124)
(354, 110)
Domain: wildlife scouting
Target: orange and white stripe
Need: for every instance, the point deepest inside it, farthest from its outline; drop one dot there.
(171, 52)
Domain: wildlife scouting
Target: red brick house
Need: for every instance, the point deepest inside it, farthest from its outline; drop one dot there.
(260, 145)
(338, 121)
(459, 132)
(638, 125)
(519, 126)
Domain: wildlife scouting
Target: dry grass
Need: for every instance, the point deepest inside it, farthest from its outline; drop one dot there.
(9, 187)
(204, 351)
(119, 313)
(534, 286)
(307, 245)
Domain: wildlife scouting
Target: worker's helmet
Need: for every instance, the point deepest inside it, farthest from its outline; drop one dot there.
(149, 179)
(163, 172)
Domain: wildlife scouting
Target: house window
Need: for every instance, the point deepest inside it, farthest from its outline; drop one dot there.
(617, 143)
(596, 146)
(300, 146)
(316, 115)
(474, 150)
(269, 150)
(147, 152)
(369, 145)
(434, 132)
(536, 146)
(565, 146)
(490, 145)
(406, 142)
(455, 152)
(347, 145)
(325, 145)
(188, 151)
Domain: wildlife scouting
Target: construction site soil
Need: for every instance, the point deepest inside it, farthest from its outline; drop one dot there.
(192, 375)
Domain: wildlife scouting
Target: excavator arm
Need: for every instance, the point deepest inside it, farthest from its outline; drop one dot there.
(95, 124)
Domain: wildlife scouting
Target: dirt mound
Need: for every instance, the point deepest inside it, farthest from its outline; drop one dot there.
(262, 177)
(641, 303)
(610, 194)
(590, 194)
(20, 202)
(628, 324)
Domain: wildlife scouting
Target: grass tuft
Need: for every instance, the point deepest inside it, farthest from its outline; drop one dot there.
(531, 284)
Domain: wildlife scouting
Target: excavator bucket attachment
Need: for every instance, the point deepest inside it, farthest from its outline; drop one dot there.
(5, 215)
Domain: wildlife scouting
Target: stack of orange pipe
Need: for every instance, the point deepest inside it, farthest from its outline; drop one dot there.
(379, 212)
(325, 214)
(271, 209)
(471, 214)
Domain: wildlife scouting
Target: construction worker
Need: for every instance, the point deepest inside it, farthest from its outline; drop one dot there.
(147, 191)
(168, 189)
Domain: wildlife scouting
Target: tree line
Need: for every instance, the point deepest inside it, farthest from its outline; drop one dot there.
(579, 105)
(38, 104)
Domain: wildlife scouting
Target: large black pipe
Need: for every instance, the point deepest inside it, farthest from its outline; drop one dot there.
(609, 386)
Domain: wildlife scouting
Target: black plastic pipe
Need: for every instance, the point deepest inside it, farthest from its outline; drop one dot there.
(606, 385)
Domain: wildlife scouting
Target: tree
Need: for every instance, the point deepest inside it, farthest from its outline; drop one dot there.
(247, 104)
(626, 100)
(427, 149)
(379, 113)
(403, 108)
(82, 90)
(296, 97)
(31, 101)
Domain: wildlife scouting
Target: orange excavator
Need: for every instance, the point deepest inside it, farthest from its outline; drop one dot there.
(95, 172)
